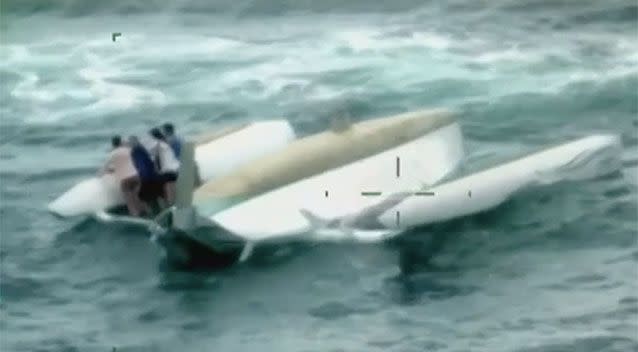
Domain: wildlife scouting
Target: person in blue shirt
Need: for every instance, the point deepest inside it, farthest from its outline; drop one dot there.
(173, 140)
(151, 186)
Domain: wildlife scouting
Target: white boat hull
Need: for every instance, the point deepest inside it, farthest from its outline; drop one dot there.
(277, 214)
(214, 159)
(581, 159)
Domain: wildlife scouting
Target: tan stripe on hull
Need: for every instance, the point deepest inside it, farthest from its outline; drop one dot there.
(324, 151)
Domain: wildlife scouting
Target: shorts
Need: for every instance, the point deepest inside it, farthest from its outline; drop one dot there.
(150, 190)
(130, 184)
(168, 177)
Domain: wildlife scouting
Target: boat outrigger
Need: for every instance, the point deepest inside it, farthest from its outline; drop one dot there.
(216, 154)
(369, 181)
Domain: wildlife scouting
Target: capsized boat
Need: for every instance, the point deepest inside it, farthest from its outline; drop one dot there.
(299, 210)
(330, 174)
(369, 182)
(216, 154)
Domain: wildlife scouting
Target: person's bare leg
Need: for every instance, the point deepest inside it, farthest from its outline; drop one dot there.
(145, 208)
(161, 202)
(128, 187)
(131, 204)
(169, 189)
(161, 198)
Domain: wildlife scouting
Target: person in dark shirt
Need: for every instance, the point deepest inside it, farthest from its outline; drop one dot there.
(166, 163)
(151, 186)
(173, 140)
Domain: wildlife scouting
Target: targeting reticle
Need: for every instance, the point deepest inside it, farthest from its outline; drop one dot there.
(379, 193)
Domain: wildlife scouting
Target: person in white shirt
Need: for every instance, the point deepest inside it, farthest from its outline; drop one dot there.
(120, 165)
(166, 163)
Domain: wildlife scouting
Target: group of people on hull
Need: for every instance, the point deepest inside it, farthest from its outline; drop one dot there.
(146, 174)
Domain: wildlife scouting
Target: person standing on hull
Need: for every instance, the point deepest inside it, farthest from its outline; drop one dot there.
(150, 190)
(120, 165)
(167, 164)
(173, 140)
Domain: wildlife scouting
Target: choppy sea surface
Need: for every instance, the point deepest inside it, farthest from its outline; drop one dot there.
(554, 270)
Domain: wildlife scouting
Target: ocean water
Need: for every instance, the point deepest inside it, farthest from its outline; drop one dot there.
(555, 270)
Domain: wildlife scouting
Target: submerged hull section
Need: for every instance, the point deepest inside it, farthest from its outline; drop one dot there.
(189, 252)
(215, 156)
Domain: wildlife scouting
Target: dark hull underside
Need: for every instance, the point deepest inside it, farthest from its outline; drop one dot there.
(204, 247)
(184, 252)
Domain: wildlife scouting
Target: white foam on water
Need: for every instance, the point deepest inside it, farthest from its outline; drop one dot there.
(14, 54)
(630, 156)
(272, 76)
(432, 40)
(112, 96)
(601, 75)
(182, 47)
(368, 39)
(631, 175)
(284, 65)
(626, 51)
(398, 55)
(28, 89)
(360, 39)
(513, 54)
